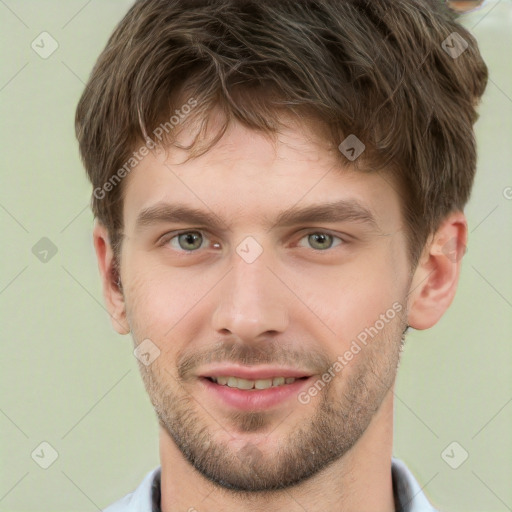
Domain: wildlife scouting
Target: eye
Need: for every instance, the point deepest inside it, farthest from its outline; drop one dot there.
(321, 241)
(188, 241)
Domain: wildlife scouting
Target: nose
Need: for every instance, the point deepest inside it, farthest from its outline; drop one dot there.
(252, 302)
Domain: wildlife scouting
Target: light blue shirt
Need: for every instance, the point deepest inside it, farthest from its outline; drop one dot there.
(407, 493)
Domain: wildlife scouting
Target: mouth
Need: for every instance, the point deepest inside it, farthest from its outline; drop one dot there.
(250, 385)
(246, 388)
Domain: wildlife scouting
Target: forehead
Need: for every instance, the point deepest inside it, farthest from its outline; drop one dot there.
(248, 176)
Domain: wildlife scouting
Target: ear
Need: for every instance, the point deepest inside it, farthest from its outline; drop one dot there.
(436, 276)
(110, 279)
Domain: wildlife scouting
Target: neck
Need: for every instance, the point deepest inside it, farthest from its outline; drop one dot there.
(358, 481)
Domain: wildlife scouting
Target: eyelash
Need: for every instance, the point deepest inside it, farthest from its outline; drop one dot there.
(165, 239)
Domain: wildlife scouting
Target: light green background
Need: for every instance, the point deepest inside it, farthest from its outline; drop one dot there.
(69, 380)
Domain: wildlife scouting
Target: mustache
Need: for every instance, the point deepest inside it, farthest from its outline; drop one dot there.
(273, 353)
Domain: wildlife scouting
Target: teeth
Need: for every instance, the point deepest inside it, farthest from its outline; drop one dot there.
(240, 383)
(235, 382)
(277, 381)
(263, 383)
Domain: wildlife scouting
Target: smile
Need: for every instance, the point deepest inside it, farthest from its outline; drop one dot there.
(247, 384)
(253, 394)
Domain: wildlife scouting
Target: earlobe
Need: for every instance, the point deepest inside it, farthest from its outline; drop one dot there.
(436, 277)
(110, 279)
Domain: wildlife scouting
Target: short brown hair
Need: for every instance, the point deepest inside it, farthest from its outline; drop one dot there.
(379, 69)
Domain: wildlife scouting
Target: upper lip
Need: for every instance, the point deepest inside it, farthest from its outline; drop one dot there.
(252, 372)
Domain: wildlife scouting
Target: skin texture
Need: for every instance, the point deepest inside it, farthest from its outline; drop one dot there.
(300, 303)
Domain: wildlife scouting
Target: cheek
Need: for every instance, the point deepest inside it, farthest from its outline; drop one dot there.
(353, 297)
(160, 299)
(149, 301)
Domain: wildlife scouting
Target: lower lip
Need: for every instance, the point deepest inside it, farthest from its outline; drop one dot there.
(248, 400)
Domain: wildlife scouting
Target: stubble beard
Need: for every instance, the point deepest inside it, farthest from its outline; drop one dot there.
(343, 409)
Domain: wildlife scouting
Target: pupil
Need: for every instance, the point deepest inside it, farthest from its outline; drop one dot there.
(189, 238)
(320, 238)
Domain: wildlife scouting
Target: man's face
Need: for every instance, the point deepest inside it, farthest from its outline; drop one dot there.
(263, 297)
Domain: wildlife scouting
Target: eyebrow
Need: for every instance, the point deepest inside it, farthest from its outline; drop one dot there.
(345, 210)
